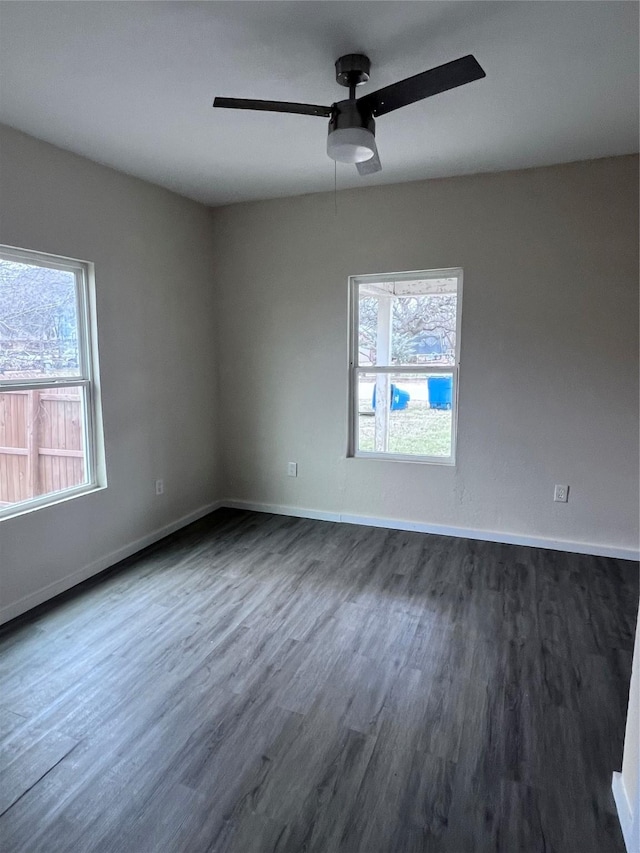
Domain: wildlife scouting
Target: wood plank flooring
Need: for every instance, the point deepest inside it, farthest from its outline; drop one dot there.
(260, 683)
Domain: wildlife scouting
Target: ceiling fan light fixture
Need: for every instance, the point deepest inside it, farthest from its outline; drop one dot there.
(351, 144)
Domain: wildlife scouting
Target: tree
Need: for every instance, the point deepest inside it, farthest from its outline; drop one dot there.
(37, 317)
(414, 318)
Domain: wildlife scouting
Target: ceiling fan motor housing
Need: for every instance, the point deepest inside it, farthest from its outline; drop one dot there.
(348, 114)
(351, 133)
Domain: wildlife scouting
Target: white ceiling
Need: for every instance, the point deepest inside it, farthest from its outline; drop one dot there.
(131, 84)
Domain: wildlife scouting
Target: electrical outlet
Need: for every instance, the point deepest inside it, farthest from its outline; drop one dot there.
(561, 494)
(159, 487)
(292, 469)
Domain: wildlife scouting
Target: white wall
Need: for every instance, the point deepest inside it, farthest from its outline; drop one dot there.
(155, 305)
(549, 375)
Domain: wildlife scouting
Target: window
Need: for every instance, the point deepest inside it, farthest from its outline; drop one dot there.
(405, 345)
(48, 399)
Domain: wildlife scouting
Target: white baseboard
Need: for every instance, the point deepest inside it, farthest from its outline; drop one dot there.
(16, 608)
(630, 833)
(439, 529)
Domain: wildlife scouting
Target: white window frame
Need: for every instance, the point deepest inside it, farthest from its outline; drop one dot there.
(87, 378)
(355, 368)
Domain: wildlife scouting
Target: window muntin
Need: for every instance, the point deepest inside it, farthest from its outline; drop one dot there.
(48, 423)
(405, 333)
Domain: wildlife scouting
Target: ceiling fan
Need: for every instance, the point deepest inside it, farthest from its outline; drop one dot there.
(351, 136)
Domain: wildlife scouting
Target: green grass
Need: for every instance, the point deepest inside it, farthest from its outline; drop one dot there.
(417, 430)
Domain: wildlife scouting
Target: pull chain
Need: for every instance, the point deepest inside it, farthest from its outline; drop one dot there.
(335, 185)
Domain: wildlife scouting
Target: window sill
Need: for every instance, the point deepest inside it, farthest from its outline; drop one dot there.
(398, 457)
(13, 511)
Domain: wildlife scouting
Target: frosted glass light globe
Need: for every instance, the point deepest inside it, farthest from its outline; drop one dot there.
(351, 145)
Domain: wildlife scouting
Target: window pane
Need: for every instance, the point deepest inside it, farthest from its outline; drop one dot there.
(417, 419)
(408, 322)
(38, 322)
(41, 443)
(367, 325)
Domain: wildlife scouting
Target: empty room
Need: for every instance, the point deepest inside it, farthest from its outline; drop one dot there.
(319, 428)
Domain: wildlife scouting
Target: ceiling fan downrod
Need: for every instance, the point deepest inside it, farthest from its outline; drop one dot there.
(353, 70)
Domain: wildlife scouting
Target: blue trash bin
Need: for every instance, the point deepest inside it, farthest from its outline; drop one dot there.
(440, 391)
(399, 398)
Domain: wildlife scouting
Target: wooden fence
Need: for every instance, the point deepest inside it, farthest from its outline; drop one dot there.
(41, 443)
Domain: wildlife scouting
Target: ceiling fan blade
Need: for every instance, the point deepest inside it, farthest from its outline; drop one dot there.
(424, 85)
(370, 166)
(273, 106)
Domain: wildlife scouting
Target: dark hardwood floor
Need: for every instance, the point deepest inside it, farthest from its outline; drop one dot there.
(259, 683)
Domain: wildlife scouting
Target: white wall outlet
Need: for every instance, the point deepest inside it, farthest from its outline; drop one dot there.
(292, 469)
(159, 487)
(561, 494)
